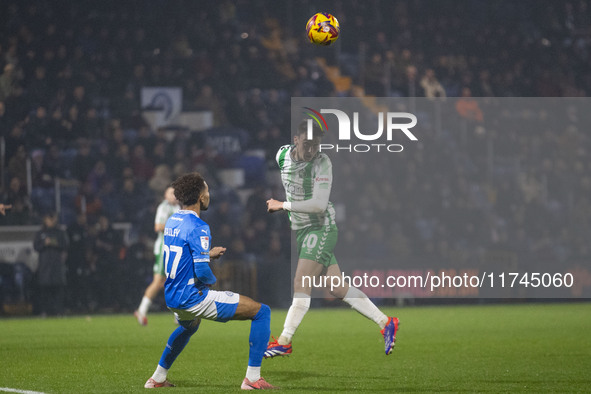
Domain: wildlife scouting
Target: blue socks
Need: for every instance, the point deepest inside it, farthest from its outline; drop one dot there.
(175, 345)
(260, 330)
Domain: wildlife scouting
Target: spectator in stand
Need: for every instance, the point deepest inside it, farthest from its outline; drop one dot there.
(17, 164)
(76, 127)
(256, 236)
(131, 197)
(107, 245)
(98, 176)
(53, 165)
(79, 99)
(16, 192)
(485, 88)
(8, 82)
(17, 199)
(146, 139)
(431, 86)
(92, 124)
(87, 202)
(118, 160)
(38, 88)
(468, 108)
(17, 105)
(52, 245)
(208, 100)
(37, 129)
(374, 82)
(40, 178)
(225, 212)
(411, 87)
(83, 162)
(160, 155)
(115, 135)
(142, 166)
(60, 129)
(14, 139)
(78, 296)
(111, 200)
(161, 179)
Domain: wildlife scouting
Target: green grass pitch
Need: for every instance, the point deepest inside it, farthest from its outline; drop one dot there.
(498, 348)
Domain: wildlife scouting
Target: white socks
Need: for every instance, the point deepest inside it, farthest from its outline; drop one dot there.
(297, 311)
(253, 373)
(160, 374)
(301, 303)
(144, 306)
(359, 301)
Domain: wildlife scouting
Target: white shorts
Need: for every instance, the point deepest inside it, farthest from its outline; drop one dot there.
(217, 305)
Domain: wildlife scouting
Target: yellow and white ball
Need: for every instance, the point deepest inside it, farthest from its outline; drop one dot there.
(323, 29)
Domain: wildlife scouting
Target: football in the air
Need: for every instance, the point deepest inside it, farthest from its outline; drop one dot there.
(323, 28)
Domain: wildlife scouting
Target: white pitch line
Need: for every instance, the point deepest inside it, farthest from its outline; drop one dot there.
(9, 390)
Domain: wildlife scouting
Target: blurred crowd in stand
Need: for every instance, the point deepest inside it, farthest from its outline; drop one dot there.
(70, 82)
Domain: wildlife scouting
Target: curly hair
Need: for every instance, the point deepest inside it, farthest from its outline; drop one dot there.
(188, 188)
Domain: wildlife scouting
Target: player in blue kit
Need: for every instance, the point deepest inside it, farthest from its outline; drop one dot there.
(187, 255)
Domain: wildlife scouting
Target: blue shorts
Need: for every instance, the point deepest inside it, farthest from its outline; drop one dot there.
(217, 305)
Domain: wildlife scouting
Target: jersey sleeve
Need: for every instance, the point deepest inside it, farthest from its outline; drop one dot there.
(322, 180)
(199, 241)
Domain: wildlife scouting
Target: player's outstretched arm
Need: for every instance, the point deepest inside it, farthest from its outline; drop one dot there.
(321, 178)
(216, 252)
(317, 204)
(274, 205)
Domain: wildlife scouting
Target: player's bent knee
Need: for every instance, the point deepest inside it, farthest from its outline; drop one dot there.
(191, 326)
(247, 308)
(339, 292)
(263, 313)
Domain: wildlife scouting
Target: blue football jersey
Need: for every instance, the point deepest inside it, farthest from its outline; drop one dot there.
(186, 260)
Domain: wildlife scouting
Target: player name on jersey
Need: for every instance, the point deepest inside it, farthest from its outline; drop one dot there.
(171, 232)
